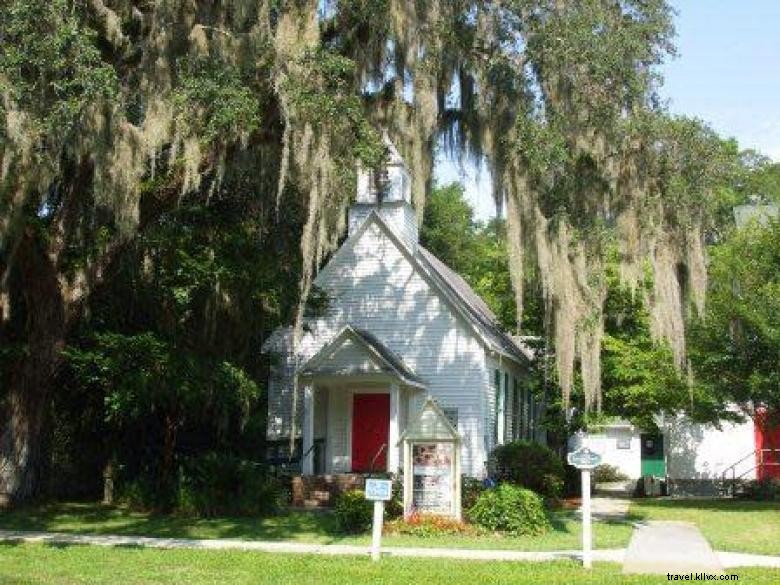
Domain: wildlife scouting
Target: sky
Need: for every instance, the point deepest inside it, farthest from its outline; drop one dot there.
(726, 72)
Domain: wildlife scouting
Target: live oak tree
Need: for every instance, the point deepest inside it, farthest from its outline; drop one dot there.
(114, 112)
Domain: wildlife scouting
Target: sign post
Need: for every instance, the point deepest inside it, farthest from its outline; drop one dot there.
(584, 459)
(378, 491)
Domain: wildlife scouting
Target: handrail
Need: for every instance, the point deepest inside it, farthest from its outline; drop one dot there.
(309, 450)
(761, 463)
(734, 465)
(382, 447)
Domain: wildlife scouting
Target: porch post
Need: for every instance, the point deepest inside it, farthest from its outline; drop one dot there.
(393, 434)
(307, 432)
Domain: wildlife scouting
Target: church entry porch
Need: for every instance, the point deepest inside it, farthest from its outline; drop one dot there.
(357, 395)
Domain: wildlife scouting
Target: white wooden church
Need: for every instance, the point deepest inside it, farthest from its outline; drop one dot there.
(399, 326)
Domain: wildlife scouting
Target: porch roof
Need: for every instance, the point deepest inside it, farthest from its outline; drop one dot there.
(358, 353)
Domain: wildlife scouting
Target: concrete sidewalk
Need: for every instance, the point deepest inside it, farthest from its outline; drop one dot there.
(670, 547)
(729, 560)
(606, 555)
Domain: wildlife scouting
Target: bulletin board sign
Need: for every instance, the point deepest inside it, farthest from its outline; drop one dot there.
(432, 466)
(431, 447)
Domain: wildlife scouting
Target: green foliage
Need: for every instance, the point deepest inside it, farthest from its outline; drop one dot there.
(217, 97)
(605, 473)
(50, 64)
(206, 486)
(353, 511)
(141, 375)
(762, 490)
(470, 490)
(530, 465)
(735, 350)
(639, 377)
(324, 97)
(217, 484)
(511, 509)
(448, 229)
(760, 178)
(478, 252)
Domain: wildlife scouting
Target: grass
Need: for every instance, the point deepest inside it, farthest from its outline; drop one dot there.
(42, 564)
(315, 527)
(729, 525)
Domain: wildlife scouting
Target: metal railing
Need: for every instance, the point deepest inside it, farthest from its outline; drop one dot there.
(758, 455)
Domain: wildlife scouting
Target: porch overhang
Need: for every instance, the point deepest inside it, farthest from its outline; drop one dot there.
(358, 356)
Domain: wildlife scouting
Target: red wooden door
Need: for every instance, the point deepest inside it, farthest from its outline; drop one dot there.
(767, 447)
(370, 427)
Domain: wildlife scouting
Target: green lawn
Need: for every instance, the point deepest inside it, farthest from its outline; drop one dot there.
(41, 564)
(729, 525)
(298, 526)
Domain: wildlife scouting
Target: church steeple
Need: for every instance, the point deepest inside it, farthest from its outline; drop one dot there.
(388, 191)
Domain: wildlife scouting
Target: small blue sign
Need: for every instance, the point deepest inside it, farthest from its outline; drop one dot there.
(379, 489)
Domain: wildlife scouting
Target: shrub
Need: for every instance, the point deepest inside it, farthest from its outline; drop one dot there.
(767, 490)
(224, 485)
(470, 490)
(572, 481)
(426, 525)
(605, 473)
(532, 466)
(145, 494)
(353, 511)
(512, 509)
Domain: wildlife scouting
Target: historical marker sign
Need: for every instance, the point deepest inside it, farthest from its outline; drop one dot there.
(379, 489)
(584, 458)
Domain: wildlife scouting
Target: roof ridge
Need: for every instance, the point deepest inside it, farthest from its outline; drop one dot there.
(475, 305)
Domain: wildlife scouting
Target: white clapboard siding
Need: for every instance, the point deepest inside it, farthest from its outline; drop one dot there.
(374, 285)
(280, 389)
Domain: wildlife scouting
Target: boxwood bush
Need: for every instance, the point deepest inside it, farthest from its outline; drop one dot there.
(511, 509)
(530, 465)
(606, 473)
(353, 511)
(470, 489)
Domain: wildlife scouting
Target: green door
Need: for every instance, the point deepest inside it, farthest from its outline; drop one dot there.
(653, 462)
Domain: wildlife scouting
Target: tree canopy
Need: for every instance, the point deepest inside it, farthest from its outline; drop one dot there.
(114, 114)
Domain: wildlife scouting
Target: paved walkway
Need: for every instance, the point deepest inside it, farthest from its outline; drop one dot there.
(728, 560)
(670, 547)
(606, 555)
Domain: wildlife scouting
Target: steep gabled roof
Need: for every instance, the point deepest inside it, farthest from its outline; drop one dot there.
(475, 307)
(453, 287)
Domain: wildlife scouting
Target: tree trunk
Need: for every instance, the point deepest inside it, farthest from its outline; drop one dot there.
(32, 376)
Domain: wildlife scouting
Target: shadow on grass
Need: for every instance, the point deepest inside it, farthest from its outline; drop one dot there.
(293, 525)
(99, 519)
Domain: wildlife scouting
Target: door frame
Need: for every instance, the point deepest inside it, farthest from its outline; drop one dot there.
(658, 437)
(351, 391)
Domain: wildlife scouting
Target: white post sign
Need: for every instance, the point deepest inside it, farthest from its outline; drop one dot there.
(379, 491)
(584, 459)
